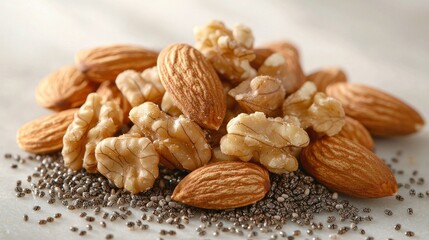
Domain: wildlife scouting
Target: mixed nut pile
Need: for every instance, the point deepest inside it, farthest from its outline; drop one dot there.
(224, 115)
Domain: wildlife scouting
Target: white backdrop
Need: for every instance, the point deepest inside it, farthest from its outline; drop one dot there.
(382, 43)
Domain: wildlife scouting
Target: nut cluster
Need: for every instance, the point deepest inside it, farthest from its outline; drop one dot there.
(224, 110)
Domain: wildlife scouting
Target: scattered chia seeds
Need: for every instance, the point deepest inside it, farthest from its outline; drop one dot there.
(293, 197)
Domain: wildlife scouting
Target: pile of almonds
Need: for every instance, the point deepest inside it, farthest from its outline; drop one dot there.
(223, 110)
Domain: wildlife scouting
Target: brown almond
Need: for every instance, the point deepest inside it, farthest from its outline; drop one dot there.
(381, 113)
(356, 132)
(63, 89)
(324, 77)
(105, 63)
(193, 84)
(45, 134)
(223, 185)
(348, 167)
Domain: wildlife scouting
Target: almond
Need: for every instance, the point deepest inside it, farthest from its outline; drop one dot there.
(223, 185)
(45, 134)
(356, 132)
(63, 89)
(105, 63)
(327, 76)
(382, 114)
(348, 167)
(193, 84)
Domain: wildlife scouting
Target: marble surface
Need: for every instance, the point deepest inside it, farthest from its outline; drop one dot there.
(381, 43)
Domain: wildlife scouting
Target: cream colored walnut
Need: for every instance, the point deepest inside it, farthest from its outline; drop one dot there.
(93, 122)
(108, 91)
(168, 106)
(178, 140)
(229, 51)
(316, 110)
(140, 87)
(260, 94)
(271, 141)
(129, 161)
(295, 76)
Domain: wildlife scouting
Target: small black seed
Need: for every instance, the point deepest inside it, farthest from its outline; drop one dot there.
(25, 217)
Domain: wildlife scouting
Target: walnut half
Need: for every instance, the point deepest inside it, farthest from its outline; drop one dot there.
(260, 94)
(180, 141)
(129, 161)
(230, 52)
(140, 87)
(325, 115)
(93, 122)
(273, 142)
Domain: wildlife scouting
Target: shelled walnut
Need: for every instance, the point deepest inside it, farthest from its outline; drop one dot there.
(93, 122)
(260, 94)
(108, 91)
(230, 52)
(168, 106)
(129, 161)
(140, 87)
(316, 110)
(295, 76)
(180, 141)
(273, 142)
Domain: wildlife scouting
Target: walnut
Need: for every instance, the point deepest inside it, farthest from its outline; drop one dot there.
(139, 88)
(93, 122)
(168, 106)
(325, 115)
(229, 52)
(293, 76)
(110, 92)
(261, 94)
(129, 161)
(179, 141)
(273, 142)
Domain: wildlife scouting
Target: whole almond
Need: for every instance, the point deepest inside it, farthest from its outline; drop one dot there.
(193, 84)
(63, 89)
(45, 134)
(356, 132)
(382, 114)
(223, 185)
(105, 63)
(327, 76)
(295, 75)
(348, 167)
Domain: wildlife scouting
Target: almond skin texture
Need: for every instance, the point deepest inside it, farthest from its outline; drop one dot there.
(356, 132)
(45, 134)
(63, 89)
(193, 84)
(327, 76)
(105, 63)
(382, 114)
(223, 185)
(348, 167)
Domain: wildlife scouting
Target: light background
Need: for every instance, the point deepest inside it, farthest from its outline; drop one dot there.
(381, 43)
